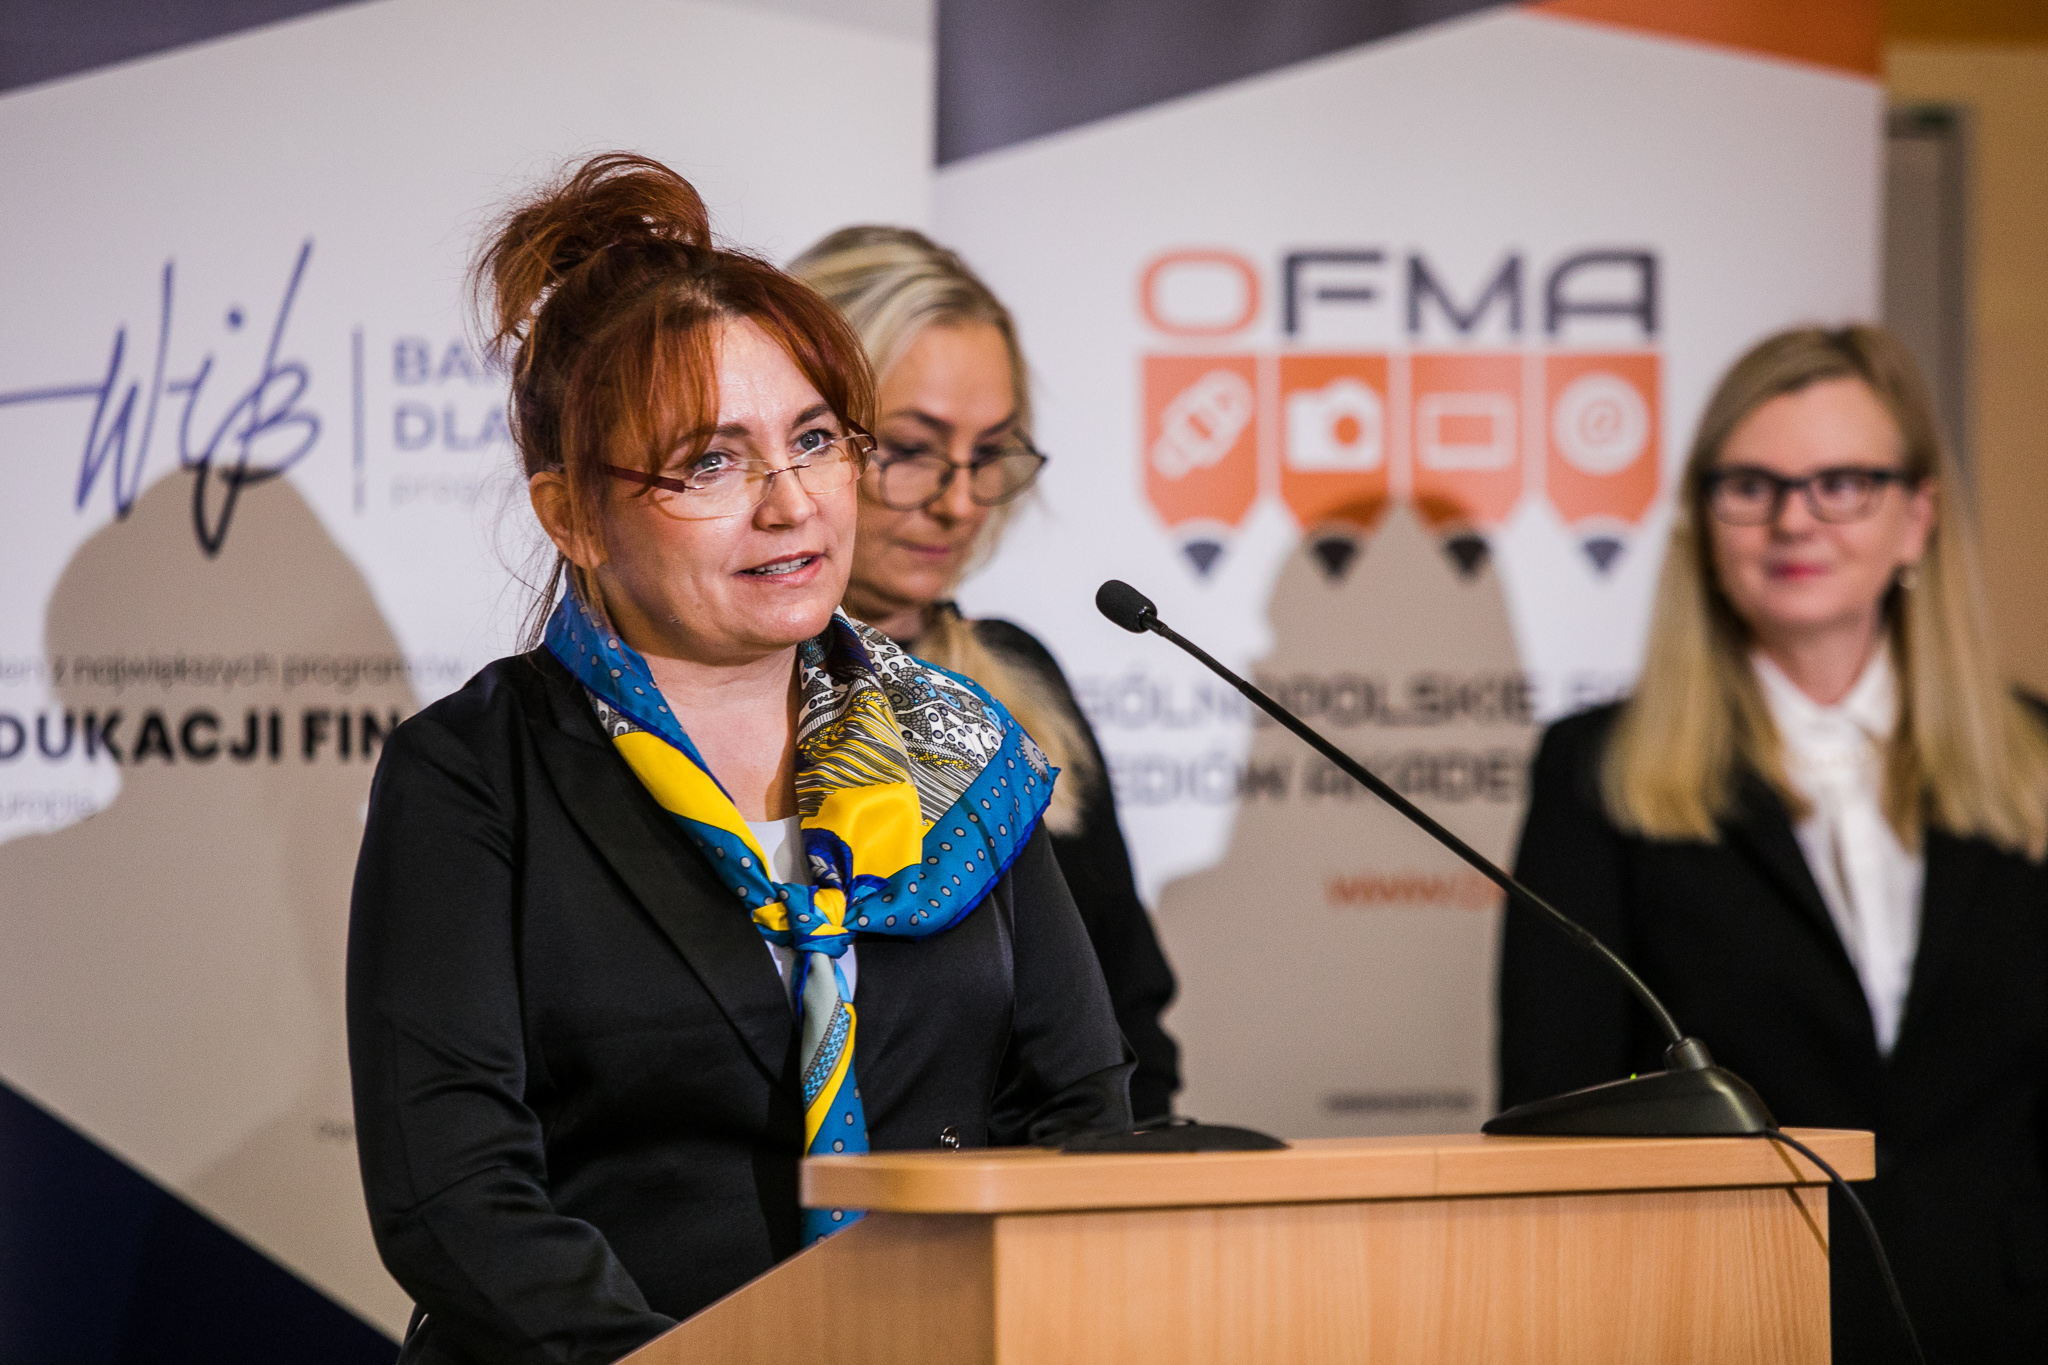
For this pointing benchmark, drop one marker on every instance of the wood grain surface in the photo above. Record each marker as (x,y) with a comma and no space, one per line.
(892,1288)
(1392,1251)
(1014,1180)
(1676,1277)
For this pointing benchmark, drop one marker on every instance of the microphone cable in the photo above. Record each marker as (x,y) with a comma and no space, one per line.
(1884,1265)
(1127,607)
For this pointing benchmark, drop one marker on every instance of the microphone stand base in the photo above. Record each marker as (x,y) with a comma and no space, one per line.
(1699,1102)
(1176,1135)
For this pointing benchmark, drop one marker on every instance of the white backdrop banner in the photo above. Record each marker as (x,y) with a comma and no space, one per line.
(1373,368)
(256,491)
(1375,371)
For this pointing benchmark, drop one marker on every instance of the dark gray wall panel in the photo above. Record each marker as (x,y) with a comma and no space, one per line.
(1016,69)
(42,40)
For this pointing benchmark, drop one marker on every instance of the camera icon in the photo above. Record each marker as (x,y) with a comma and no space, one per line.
(1339,428)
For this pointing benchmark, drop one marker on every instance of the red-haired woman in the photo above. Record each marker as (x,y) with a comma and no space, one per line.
(713,878)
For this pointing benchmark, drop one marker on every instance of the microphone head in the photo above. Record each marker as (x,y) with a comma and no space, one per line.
(1126,606)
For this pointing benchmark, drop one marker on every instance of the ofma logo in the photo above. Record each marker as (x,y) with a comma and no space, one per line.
(1461,411)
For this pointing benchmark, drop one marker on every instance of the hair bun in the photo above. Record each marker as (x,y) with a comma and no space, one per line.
(615,199)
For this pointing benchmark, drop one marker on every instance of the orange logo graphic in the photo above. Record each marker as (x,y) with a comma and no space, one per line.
(1466,419)
(1201,446)
(1336,446)
(1349,433)
(1461,435)
(1601,437)
(1203,267)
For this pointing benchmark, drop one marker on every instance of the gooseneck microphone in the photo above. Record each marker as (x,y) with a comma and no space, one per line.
(1693,1098)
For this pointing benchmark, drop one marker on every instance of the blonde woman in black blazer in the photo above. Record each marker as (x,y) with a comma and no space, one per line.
(1824,546)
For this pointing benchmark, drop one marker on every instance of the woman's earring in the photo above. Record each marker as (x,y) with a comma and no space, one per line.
(1908,577)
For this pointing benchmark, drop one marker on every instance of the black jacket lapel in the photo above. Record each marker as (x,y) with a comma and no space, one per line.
(643,845)
(1954,867)
(1763,830)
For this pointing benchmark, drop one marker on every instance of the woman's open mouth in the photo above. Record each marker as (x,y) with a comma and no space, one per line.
(783,568)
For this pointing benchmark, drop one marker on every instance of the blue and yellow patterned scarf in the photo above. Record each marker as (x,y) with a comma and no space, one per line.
(916,791)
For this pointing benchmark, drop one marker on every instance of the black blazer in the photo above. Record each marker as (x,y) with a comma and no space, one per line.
(574,1061)
(1097,866)
(1735,937)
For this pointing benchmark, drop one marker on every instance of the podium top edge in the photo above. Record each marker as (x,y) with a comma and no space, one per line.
(1319,1170)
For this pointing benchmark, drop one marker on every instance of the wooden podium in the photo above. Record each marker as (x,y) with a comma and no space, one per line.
(1430,1249)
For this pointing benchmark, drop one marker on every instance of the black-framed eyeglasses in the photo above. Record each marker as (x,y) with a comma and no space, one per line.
(908,480)
(721,484)
(1744,495)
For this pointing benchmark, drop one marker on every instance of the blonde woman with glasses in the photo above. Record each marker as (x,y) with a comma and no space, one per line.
(1817,830)
(955,454)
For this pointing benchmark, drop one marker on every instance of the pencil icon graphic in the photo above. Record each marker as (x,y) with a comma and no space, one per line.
(1201,448)
(1465,416)
(1336,449)
(1601,436)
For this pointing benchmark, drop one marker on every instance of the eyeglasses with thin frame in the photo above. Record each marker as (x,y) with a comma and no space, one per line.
(719,483)
(907,481)
(1744,495)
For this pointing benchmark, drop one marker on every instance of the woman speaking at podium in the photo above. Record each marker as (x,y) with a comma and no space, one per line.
(1816,830)
(714,877)
(954,454)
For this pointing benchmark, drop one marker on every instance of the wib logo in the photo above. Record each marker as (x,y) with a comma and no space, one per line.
(1463,433)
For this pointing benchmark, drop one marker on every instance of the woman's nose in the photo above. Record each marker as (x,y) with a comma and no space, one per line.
(787,502)
(1794,516)
(956,503)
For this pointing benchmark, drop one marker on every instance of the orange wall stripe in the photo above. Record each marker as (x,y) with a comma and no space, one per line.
(1845,34)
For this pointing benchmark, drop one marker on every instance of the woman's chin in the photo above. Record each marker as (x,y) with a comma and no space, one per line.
(923,577)
(801,623)
(1788,622)
(779,625)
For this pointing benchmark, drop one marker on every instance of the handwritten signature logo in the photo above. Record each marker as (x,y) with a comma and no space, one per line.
(263,433)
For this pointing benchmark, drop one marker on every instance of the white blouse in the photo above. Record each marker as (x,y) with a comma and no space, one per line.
(782,841)
(1834,756)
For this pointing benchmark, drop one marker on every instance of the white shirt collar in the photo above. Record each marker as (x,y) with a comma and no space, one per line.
(1870,882)
(1871,708)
